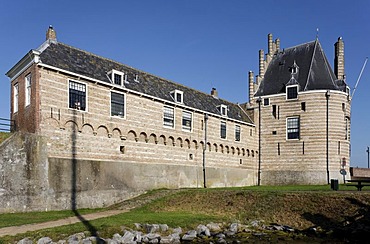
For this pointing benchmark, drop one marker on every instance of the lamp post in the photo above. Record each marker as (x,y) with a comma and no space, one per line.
(204,150)
(368,161)
(259,100)
(327,95)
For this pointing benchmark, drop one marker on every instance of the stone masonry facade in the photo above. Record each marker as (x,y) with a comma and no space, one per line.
(81,154)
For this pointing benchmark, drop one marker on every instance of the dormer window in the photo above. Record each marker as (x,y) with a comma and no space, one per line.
(136,78)
(125,78)
(178,96)
(223,109)
(292,92)
(116,77)
(294,68)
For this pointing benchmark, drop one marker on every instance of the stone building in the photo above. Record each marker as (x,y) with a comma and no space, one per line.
(304,110)
(92,131)
(102,131)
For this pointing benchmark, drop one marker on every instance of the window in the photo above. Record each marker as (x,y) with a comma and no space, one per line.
(223,109)
(177,96)
(292,92)
(77,96)
(347,129)
(117,104)
(117,77)
(136,78)
(28,90)
(303,106)
(223,130)
(15,98)
(237,132)
(186,120)
(292,128)
(168,117)
(266,101)
(274,111)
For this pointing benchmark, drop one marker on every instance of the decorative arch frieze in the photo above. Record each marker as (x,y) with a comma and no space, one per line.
(179,142)
(187,143)
(132,136)
(143,137)
(153,138)
(162,140)
(171,141)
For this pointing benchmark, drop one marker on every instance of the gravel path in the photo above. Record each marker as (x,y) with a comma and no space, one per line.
(118,208)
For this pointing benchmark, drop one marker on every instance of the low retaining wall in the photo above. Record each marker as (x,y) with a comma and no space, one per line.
(30,180)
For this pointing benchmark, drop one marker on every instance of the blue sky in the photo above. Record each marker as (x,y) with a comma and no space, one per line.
(198,43)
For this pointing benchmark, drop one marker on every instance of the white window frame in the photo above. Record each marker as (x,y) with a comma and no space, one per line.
(28,83)
(124,105)
(166,124)
(15,97)
(114,72)
(286,91)
(238,131)
(223,109)
(221,124)
(136,79)
(184,127)
(86,95)
(175,94)
(289,129)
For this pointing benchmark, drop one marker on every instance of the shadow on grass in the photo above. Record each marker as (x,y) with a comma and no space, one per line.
(354,227)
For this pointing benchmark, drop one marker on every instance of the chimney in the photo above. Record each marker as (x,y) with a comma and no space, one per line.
(214,93)
(277,42)
(339,59)
(51,34)
(261,64)
(251,85)
(270,45)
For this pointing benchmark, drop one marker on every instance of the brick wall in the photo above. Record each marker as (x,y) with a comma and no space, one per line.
(27,117)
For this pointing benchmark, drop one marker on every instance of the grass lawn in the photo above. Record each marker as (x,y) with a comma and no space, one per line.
(4,135)
(296,206)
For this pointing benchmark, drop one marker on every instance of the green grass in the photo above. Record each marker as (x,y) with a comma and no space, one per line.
(191,207)
(16,219)
(4,135)
(106,227)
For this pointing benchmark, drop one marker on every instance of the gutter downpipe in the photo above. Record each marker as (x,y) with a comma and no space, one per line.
(259,141)
(204,150)
(327,95)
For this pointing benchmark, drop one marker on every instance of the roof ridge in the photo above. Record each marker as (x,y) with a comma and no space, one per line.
(299,45)
(310,69)
(143,72)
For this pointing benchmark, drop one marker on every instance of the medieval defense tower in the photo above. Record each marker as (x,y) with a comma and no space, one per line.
(302,112)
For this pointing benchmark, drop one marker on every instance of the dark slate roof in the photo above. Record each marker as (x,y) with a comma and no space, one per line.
(314,71)
(84,63)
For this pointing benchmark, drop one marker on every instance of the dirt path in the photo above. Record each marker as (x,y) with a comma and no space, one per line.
(113,210)
(13,230)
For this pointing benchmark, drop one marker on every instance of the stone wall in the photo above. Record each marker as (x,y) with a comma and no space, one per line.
(90,159)
(140,136)
(303,161)
(30,181)
(23,173)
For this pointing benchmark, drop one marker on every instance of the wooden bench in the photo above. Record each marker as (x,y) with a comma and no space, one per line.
(360,177)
